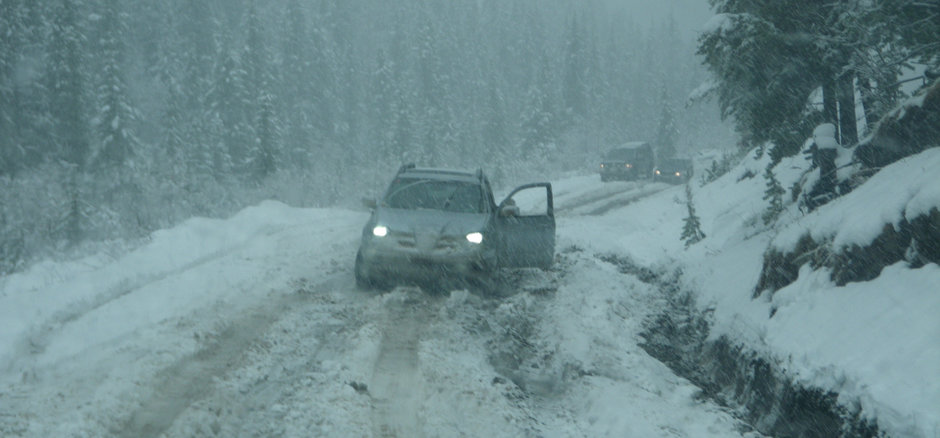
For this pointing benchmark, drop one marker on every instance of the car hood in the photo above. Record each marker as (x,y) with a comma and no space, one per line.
(441,222)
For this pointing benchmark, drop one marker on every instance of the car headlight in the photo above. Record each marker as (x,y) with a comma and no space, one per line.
(628,165)
(476,237)
(678,173)
(657,172)
(380,231)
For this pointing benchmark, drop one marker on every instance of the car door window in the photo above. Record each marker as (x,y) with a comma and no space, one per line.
(531,202)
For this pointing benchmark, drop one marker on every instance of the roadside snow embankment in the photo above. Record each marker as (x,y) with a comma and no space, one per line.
(872,342)
(35,303)
(869,342)
(901,192)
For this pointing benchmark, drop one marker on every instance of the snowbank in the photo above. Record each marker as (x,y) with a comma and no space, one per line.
(901,191)
(873,342)
(50,295)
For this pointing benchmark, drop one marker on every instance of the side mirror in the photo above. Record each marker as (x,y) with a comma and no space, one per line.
(370,203)
(509,210)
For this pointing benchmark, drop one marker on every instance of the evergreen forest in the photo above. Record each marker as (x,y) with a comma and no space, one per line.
(120,117)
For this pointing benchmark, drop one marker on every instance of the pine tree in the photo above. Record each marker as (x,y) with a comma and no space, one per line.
(11,34)
(230,103)
(183,65)
(65,76)
(575,87)
(667,133)
(765,75)
(323,77)
(297,88)
(435,119)
(259,82)
(692,228)
(774,194)
(770,55)
(403,131)
(263,162)
(117,115)
(539,117)
(8,55)
(495,135)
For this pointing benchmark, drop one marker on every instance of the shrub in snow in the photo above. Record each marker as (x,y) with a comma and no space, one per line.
(718,168)
(692,230)
(773,194)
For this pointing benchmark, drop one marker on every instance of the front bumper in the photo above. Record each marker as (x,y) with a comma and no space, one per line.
(671,179)
(618,173)
(386,259)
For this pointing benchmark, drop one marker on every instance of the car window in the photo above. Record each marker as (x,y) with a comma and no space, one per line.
(530,201)
(676,164)
(428,194)
(620,154)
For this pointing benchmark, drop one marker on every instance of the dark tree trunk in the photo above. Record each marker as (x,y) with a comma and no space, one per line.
(869,102)
(830,109)
(848,128)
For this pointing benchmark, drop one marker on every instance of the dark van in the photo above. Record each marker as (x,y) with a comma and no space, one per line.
(673,171)
(628,162)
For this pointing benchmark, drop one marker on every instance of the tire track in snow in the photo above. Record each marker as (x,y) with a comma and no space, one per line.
(396,386)
(603,200)
(35,341)
(622,201)
(191,379)
(565,203)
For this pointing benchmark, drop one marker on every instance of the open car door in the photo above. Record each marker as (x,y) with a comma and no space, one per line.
(526,221)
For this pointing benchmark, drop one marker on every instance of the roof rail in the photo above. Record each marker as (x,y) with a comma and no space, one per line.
(405,167)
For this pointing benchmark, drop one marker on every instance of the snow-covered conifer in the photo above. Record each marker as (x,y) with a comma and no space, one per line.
(774,195)
(116,114)
(692,228)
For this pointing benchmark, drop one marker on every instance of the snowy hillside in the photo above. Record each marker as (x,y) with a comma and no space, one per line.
(874,343)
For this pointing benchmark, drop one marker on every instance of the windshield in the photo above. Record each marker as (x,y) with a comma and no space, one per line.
(430,194)
(677,164)
(620,154)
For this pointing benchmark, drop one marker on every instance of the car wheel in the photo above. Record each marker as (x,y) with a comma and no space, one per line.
(604,178)
(363,281)
(487,282)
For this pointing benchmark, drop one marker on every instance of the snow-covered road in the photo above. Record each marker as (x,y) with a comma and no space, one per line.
(251,326)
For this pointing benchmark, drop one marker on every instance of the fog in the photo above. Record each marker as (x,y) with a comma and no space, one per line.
(157,112)
(689,15)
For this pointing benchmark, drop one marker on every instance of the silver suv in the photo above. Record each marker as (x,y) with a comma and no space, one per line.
(440,224)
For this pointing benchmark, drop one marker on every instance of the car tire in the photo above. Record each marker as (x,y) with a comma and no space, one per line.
(486,281)
(604,178)
(363,280)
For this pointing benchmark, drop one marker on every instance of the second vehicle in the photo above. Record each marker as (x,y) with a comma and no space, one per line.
(673,170)
(628,162)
